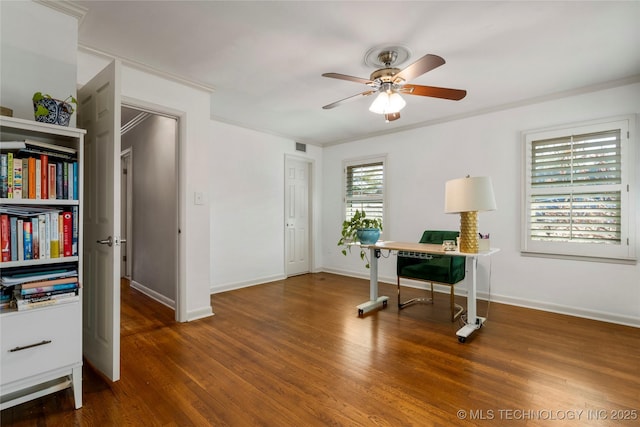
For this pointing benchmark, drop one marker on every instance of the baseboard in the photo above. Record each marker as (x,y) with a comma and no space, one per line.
(153,294)
(200,313)
(190,316)
(502,299)
(245,284)
(568,310)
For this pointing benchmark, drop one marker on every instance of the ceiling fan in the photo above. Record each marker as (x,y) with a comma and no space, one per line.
(389,82)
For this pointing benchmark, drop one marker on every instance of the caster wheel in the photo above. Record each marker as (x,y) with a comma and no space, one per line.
(360,313)
(462,339)
(384,304)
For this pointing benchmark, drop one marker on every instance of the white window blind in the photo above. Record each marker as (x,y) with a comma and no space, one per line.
(364,187)
(577,191)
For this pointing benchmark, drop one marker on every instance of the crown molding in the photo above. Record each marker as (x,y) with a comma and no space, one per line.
(146,68)
(66,7)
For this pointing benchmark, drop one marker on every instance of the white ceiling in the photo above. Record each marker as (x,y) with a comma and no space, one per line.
(264,59)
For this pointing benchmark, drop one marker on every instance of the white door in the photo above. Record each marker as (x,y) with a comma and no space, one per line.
(99,114)
(297,216)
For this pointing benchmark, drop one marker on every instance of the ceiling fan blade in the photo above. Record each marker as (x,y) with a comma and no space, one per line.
(435,92)
(349,78)
(421,66)
(351,98)
(391,117)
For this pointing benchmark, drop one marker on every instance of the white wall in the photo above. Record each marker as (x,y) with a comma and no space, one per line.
(155,217)
(420,161)
(247,205)
(192,108)
(37,54)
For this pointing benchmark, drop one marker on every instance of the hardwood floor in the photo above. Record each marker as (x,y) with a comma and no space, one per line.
(295,353)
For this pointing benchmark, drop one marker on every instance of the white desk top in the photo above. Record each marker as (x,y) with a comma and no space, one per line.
(426,248)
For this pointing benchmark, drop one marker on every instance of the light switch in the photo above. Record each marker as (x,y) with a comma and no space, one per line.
(198,198)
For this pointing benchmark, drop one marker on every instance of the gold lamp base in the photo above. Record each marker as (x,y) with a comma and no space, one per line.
(468,232)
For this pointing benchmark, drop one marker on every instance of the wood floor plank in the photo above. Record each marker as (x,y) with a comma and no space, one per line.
(295,353)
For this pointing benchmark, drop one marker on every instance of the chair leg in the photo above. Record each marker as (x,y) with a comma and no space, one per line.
(402,305)
(456,310)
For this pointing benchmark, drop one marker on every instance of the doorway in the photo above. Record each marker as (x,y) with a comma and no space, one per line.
(297,216)
(149,212)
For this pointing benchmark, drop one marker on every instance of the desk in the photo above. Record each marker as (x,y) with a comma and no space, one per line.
(474,322)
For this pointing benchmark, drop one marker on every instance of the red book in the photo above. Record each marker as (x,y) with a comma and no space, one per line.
(67,233)
(44,173)
(5,237)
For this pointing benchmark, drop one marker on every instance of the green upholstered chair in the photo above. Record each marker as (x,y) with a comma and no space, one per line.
(442,269)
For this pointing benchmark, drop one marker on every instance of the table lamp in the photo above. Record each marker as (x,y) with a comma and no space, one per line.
(467,196)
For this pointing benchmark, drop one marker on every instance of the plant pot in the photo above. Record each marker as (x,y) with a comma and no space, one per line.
(368,236)
(59,111)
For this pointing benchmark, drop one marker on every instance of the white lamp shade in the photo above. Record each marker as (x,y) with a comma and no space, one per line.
(469,194)
(387,103)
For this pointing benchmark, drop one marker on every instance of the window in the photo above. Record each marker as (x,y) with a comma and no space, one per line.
(577,198)
(364,187)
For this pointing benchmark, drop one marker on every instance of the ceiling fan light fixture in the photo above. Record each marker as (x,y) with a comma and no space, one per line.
(387,103)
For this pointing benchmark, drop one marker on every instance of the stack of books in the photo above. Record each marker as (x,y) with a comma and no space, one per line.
(39,287)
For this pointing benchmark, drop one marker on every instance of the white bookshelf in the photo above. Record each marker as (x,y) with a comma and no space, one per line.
(41,348)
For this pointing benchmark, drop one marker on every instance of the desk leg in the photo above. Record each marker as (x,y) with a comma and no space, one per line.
(473,321)
(375,301)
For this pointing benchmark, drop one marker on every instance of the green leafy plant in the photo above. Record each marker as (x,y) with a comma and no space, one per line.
(350,230)
(41,110)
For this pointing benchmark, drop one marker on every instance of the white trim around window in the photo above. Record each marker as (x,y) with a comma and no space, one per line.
(578,190)
(364,187)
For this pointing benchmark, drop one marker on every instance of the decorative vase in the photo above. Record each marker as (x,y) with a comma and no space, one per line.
(368,236)
(59,111)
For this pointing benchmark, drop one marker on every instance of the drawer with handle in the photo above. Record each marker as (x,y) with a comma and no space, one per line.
(39,340)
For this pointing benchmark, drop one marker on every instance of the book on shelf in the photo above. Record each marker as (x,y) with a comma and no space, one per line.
(25,178)
(5,237)
(67,233)
(17,178)
(32,177)
(35,168)
(39,147)
(10,175)
(39,232)
(4,184)
(41,284)
(39,304)
(28,240)
(43,296)
(52,175)
(13,230)
(39,275)
(48,288)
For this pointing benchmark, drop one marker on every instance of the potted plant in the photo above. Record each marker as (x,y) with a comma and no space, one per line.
(360,229)
(50,110)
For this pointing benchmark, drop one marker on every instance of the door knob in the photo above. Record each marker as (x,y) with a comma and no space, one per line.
(107,241)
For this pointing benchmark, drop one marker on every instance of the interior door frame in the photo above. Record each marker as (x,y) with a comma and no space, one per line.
(127,211)
(137,104)
(310,183)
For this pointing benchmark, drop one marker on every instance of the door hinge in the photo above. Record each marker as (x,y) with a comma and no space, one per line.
(124,258)
(124,171)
